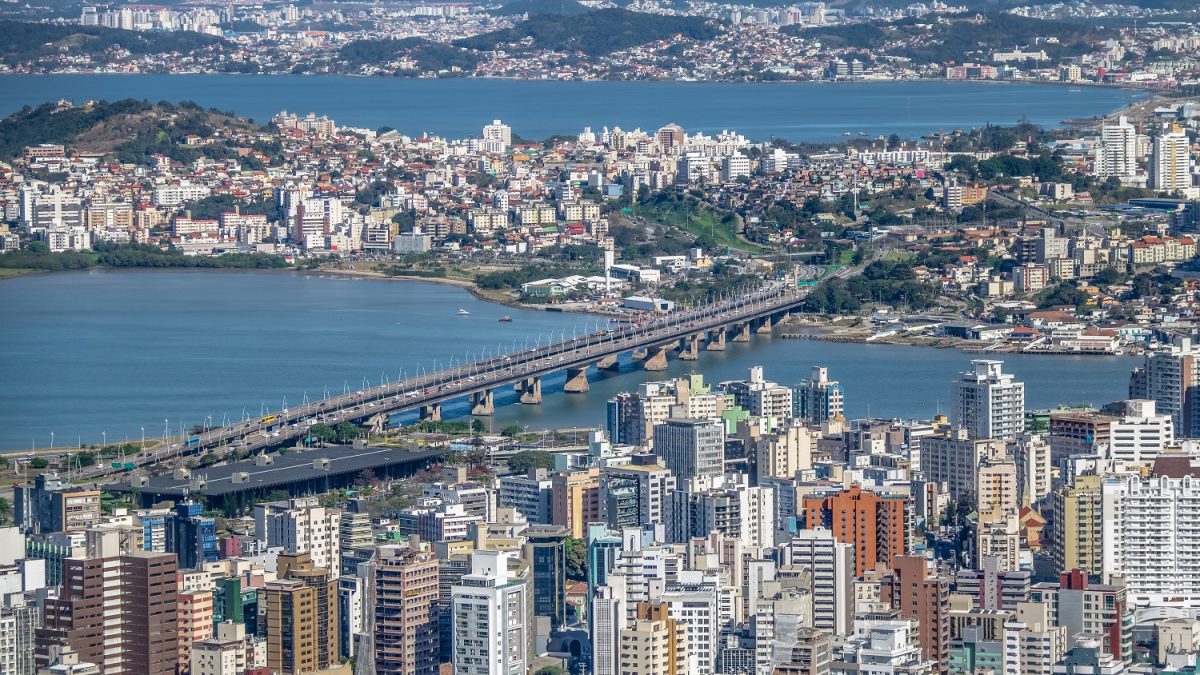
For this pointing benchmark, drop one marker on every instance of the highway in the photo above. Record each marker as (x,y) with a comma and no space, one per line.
(480,376)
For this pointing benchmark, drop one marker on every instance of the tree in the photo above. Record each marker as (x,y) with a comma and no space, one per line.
(84,459)
(477,426)
(5,511)
(347,431)
(511,430)
(576,557)
(551,670)
(322,433)
(525,460)
(38,463)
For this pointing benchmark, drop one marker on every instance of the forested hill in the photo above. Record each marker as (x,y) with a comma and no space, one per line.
(538,7)
(129,130)
(594,34)
(30,41)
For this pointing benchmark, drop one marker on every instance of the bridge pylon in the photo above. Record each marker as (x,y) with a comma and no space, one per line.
(609,363)
(577,382)
(716,340)
(689,348)
(656,358)
(483,403)
(741,332)
(530,390)
(432,412)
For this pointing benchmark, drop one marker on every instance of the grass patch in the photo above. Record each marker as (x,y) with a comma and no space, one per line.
(713,228)
(9,272)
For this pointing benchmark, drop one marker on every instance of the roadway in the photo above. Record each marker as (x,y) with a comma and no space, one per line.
(479,376)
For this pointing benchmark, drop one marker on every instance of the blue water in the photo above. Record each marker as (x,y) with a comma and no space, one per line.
(112,351)
(458,108)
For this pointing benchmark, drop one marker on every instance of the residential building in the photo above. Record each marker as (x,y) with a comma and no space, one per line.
(691,448)
(637,493)
(302,526)
(653,643)
(545,551)
(875,524)
(817,399)
(490,618)
(988,402)
(1117,154)
(302,625)
(1171,160)
(922,594)
(404,584)
(52,504)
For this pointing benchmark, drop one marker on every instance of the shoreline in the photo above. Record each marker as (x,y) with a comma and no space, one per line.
(984,349)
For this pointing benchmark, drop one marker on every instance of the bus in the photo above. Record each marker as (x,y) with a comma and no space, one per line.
(269,419)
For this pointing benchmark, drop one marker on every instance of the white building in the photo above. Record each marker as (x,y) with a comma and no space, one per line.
(1170,161)
(490,618)
(690,447)
(1032,642)
(1141,434)
(831,565)
(1150,529)
(761,397)
(530,495)
(887,648)
(988,402)
(229,652)
(1117,154)
(300,526)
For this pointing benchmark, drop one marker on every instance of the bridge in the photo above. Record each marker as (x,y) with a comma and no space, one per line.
(682,333)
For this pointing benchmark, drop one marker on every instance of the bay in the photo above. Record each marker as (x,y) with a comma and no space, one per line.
(112,351)
(458,108)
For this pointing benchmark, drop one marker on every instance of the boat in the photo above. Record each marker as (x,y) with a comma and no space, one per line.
(506,319)
(845,133)
(463,312)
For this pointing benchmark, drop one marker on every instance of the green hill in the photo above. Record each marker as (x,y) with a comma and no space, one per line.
(20,42)
(595,33)
(538,7)
(430,56)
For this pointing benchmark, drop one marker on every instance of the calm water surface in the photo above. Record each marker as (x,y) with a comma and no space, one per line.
(112,351)
(458,108)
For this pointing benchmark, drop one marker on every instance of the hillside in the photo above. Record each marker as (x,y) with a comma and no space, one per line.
(958,39)
(20,42)
(594,34)
(129,130)
(429,56)
(537,7)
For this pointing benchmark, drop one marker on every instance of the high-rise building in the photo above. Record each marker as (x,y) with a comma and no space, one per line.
(728,505)
(18,629)
(490,618)
(875,524)
(195,622)
(1032,642)
(52,504)
(691,447)
(1079,526)
(191,535)
(671,139)
(497,136)
(886,647)
(761,397)
(1148,526)
(529,494)
(1117,154)
(302,617)
(118,612)
(1171,160)
(302,526)
(404,588)
(954,458)
(1169,378)
(606,621)
(1087,609)
(988,402)
(653,643)
(817,399)
(545,550)
(924,595)
(575,500)
(637,493)
(831,570)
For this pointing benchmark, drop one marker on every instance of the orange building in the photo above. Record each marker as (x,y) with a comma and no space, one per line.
(876,525)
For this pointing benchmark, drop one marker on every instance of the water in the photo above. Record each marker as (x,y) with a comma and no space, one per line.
(458,108)
(113,351)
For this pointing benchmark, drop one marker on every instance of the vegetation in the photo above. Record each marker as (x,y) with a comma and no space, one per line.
(886,281)
(536,7)
(595,33)
(959,38)
(576,558)
(22,42)
(714,229)
(514,279)
(521,462)
(38,257)
(130,130)
(428,55)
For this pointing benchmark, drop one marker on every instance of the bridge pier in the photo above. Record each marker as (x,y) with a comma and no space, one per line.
(432,412)
(716,340)
(656,358)
(641,354)
(609,363)
(531,391)
(483,403)
(689,348)
(577,382)
(764,325)
(741,332)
